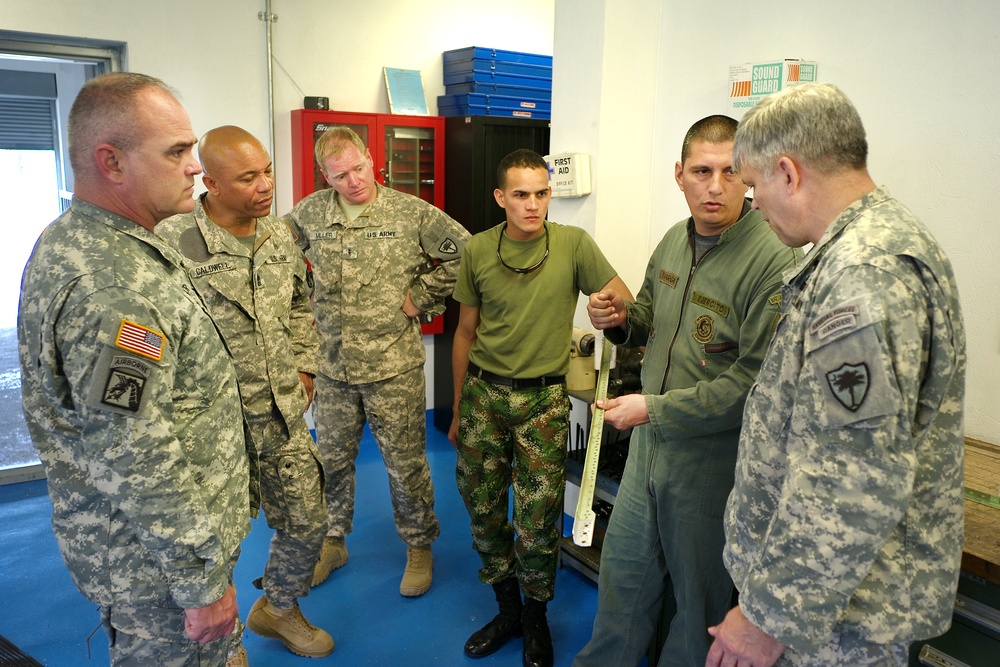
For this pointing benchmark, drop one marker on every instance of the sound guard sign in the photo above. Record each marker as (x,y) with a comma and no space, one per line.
(749,83)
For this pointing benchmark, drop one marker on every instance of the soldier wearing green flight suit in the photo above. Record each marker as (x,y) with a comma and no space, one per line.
(246,267)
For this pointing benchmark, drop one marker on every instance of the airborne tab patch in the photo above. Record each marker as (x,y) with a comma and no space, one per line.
(136,338)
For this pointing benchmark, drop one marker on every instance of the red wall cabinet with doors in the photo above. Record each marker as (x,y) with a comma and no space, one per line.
(408,153)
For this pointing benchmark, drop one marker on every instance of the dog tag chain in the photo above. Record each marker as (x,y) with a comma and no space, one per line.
(585,517)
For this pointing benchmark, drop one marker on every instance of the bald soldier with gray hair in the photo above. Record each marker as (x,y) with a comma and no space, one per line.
(246,267)
(844,528)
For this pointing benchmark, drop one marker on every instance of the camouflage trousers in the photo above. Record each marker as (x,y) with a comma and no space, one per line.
(395,409)
(291,486)
(514,438)
(849,648)
(153,636)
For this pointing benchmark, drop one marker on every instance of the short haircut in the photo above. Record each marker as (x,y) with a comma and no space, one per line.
(522,158)
(104,113)
(813,123)
(713,129)
(334,141)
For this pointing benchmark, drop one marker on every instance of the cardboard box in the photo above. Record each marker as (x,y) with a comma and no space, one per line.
(749,83)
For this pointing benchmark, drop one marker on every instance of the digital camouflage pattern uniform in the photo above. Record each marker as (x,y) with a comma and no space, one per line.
(132,403)
(845,523)
(516,437)
(371,354)
(705,326)
(259,299)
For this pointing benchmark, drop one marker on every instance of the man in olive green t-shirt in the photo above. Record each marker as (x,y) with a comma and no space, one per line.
(518,287)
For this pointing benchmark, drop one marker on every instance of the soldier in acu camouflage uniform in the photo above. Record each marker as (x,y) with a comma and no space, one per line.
(381,260)
(129,394)
(246,267)
(518,286)
(844,529)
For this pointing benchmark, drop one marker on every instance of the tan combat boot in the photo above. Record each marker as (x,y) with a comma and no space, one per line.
(419,569)
(237,658)
(291,628)
(332,556)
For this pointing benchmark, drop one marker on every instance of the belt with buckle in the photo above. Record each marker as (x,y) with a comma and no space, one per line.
(515,383)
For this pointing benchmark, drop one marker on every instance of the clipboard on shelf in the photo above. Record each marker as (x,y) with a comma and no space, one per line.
(406,91)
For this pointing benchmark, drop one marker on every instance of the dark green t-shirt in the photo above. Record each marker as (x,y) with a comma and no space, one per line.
(526,320)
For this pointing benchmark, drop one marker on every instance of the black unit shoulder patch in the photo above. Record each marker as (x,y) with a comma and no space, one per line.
(850,384)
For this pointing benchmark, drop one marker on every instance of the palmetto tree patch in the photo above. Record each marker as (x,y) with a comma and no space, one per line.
(850,384)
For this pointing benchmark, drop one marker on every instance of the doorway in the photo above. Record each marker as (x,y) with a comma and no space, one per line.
(40,76)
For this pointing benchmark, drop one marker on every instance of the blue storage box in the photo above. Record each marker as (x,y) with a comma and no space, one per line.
(471,52)
(498,67)
(487,88)
(492,76)
(511,103)
(478,110)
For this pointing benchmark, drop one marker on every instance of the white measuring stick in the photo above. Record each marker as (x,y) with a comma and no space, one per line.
(585,518)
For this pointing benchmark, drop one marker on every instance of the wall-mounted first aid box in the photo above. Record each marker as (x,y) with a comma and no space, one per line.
(569,174)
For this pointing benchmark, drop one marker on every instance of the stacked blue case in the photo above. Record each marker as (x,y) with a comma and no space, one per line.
(480,81)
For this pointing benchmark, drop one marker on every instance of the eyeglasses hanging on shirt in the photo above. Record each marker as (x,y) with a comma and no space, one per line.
(528,269)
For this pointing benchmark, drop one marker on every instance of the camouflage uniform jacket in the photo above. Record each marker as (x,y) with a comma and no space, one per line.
(847,513)
(259,300)
(363,269)
(133,405)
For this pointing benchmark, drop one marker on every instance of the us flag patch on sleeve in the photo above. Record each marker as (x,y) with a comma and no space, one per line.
(137,338)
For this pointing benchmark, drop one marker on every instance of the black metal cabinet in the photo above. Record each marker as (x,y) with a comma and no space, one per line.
(474,146)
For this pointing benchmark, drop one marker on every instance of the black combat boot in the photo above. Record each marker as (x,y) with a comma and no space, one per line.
(505,626)
(537,640)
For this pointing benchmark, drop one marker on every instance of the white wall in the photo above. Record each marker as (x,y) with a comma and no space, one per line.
(922,76)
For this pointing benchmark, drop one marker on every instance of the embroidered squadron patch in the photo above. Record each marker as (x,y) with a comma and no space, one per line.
(125,384)
(850,384)
(448,247)
(704,329)
(137,338)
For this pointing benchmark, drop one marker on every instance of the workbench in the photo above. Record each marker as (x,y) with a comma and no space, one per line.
(981,555)
(974,637)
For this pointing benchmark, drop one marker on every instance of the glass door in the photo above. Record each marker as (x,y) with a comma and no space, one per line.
(409,160)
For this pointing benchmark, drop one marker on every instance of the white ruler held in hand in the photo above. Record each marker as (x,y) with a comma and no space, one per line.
(585,518)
